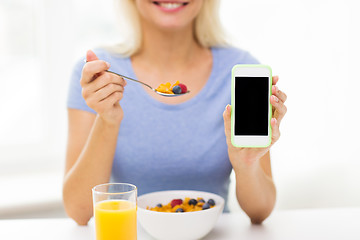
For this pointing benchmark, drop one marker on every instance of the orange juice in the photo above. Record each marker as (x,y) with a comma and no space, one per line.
(115,220)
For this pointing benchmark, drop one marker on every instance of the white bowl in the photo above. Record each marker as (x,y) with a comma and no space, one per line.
(178,226)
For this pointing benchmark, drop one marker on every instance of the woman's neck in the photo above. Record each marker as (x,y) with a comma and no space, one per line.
(169,50)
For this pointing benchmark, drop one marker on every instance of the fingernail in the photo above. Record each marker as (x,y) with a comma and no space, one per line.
(107,64)
(274,88)
(228,108)
(276,99)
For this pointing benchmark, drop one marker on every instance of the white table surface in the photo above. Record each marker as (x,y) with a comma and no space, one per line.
(292,224)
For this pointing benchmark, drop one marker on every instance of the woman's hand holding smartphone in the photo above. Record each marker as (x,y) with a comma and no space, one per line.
(252,122)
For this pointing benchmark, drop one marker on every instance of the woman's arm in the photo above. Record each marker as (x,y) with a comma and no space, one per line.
(92,138)
(255,190)
(90,154)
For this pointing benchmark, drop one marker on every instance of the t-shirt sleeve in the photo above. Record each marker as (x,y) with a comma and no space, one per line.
(250,59)
(75,99)
(239,56)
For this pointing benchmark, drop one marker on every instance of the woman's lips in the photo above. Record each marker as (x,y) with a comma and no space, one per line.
(168,6)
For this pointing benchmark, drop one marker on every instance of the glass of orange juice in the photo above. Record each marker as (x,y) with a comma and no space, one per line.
(115,211)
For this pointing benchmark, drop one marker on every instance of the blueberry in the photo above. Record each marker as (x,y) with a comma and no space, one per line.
(176,89)
(202,200)
(205,206)
(159,205)
(180,210)
(211,202)
(192,202)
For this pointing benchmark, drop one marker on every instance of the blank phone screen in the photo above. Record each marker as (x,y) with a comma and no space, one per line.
(251,105)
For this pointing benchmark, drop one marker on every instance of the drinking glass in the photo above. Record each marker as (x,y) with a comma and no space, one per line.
(115,206)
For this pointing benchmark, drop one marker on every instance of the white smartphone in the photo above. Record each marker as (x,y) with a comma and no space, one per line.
(251,108)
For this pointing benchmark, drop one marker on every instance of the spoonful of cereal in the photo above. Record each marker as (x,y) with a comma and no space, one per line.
(166,90)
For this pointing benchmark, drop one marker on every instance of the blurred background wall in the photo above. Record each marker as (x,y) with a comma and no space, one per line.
(313,45)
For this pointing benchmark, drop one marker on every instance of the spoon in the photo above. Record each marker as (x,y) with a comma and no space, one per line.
(160,93)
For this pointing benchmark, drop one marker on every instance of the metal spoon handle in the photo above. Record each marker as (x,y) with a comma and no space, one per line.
(130,79)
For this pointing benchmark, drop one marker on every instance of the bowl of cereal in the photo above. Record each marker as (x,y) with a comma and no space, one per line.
(179,214)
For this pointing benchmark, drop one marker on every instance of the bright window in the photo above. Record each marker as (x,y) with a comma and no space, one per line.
(39,43)
(312,45)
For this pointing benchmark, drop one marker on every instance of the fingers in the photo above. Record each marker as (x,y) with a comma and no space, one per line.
(103,86)
(112,99)
(90,56)
(277,100)
(275,79)
(105,98)
(279,94)
(227,123)
(102,90)
(275,123)
(103,80)
(91,69)
(103,107)
(275,130)
(106,91)
(280,108)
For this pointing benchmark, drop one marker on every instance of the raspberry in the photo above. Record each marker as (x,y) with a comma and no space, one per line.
(176,202)
(183,88)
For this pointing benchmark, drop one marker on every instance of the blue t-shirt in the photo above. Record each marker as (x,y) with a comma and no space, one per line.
(171,147)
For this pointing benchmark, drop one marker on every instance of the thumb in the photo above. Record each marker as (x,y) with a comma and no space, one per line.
(90,56)
(227,123)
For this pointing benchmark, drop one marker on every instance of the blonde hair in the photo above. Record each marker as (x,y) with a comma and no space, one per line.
(208,29)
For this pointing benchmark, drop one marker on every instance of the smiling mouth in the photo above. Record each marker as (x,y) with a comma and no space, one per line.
(170,5)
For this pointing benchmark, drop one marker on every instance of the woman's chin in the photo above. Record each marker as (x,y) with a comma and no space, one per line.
(172,26)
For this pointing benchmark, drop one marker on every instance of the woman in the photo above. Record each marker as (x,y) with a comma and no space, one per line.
(123,132)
